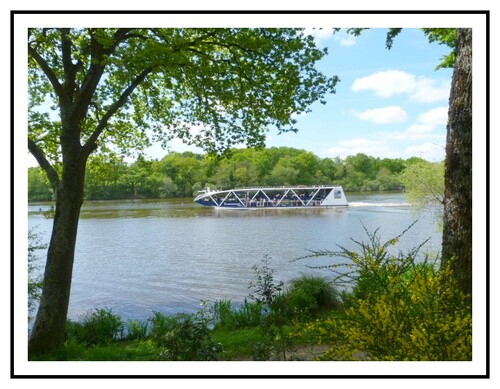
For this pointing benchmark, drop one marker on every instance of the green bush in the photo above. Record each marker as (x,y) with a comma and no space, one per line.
(308,295)
(265,289)
(160,324)
(368,269)
(275,314)
(223,313)
(100,326)
(137,329)
(185,337)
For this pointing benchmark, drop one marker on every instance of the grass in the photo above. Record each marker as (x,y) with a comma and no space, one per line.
(238,344)
(136,350)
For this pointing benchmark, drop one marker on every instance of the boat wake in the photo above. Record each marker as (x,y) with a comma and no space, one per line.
(364,204)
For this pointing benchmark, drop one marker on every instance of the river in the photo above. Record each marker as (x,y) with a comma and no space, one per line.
(140,256)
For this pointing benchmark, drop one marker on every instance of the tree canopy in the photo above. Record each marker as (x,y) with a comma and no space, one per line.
(210,87)
(424,183)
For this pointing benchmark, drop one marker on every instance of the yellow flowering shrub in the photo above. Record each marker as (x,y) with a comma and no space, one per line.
(421,316)
(398,310)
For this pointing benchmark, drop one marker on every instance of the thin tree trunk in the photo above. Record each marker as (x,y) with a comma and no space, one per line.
(48,329)
(457,229)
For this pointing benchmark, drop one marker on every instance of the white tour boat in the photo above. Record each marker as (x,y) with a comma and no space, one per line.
(301,196)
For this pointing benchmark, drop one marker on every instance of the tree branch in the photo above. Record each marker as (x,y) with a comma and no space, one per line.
(70,69)
(91,143)
(94,74)
(48,72)
(44,164)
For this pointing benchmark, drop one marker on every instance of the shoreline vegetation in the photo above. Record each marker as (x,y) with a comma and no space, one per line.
(181,175)
(395,308)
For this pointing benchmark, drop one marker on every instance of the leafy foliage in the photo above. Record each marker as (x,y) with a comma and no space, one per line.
(265,290)
(39,188)
(400,309)
(424,183)
(100,326)
(444,36)
(185,337)
(276,340)
(420,317)
(137,329)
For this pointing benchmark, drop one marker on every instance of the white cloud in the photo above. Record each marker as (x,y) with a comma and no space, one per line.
(434,117)
(385,147)
(322,34)
(429,151)
(396,82)
(386,84)
(319,34)
(426,91)
(345,39)
(391,114)
(425,126)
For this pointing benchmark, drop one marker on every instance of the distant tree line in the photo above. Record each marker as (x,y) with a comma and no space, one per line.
(184,174)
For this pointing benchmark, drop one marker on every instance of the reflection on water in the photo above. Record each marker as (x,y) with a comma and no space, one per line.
(168,255)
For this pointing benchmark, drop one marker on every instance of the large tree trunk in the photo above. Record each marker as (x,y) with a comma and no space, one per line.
(457,232)
(48,329)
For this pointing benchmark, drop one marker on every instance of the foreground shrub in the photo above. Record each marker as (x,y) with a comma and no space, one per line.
(137,329)
(100,326)
(160,324)
(421,319)
(308,295)
(185,337)
(265,289)
(269,293)
(400,310)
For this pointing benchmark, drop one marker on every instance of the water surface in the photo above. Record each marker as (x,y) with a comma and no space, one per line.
(137,257)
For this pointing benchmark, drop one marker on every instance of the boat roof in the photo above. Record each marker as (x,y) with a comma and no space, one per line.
(279,187)
(264,188)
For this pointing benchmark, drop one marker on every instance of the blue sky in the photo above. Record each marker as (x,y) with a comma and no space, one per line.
(388,104)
